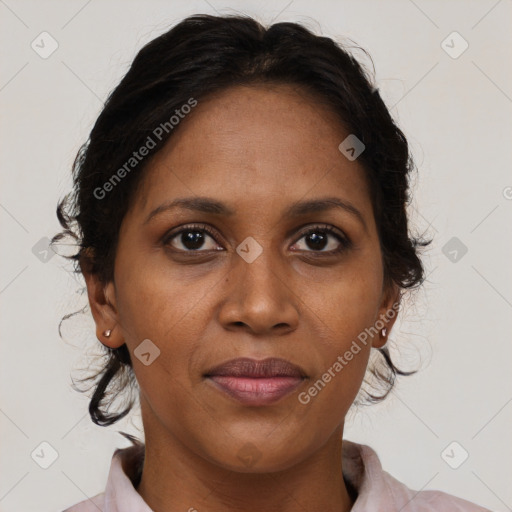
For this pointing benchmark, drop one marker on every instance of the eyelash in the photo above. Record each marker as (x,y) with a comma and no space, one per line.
(345,242)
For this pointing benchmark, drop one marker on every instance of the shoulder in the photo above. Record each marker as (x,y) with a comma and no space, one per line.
(409,500)
(119,492)
(94,504)
(378,490)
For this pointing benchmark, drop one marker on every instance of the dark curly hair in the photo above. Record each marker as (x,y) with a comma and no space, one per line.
(204,54)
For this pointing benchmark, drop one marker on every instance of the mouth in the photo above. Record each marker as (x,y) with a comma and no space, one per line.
(256,383)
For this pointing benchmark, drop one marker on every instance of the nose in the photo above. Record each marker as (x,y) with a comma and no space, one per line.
(260,297)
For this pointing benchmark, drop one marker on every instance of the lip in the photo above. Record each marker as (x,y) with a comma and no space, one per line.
(256,382)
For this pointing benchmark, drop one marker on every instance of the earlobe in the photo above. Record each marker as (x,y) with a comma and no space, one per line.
(108,338)
(387,315)
(102,303)
(380,339)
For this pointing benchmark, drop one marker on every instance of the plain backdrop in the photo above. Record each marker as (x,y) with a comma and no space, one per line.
(455,108)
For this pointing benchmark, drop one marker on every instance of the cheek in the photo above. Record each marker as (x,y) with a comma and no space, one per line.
(343,360)
(168,311)
(158,298)
(345,310)
(347,303)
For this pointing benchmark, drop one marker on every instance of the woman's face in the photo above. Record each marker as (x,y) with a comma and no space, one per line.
(256,286)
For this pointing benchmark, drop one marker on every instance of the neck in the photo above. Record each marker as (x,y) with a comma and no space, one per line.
(176,479)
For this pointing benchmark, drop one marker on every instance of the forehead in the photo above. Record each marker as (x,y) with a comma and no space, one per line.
(255,145)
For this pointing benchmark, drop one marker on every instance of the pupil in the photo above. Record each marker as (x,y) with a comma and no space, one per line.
(192,239)
(319,241)
(195,239)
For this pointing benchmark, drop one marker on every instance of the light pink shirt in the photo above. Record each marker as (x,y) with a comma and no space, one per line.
(377,490)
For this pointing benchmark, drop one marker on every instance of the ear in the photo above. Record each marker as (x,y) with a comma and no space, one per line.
(102,301)
(387,315)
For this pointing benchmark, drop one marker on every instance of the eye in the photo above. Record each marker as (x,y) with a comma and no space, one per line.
(191,238)
(317,239)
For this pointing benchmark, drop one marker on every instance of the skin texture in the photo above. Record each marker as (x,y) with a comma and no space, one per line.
(258,149)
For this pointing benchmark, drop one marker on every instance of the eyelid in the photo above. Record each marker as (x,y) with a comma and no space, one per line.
(331,230)
(343,239)
(169,235)
(322,227)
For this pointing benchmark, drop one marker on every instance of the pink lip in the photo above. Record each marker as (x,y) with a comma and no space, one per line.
(256,391)
(254,382)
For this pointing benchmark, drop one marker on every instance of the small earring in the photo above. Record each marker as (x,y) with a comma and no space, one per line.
(384,332)
(107,333)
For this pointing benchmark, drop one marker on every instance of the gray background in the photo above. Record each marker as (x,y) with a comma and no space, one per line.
(456,114)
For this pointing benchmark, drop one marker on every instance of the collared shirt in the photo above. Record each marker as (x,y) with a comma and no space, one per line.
(377,490)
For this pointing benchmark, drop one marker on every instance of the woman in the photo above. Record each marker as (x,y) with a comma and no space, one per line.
(241,213)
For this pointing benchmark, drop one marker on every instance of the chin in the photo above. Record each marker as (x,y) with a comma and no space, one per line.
(248,457)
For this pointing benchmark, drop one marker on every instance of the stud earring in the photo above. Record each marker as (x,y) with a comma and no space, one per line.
(107,333)
(384,332)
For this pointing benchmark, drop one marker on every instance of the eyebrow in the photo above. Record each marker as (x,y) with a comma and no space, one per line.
(212,206)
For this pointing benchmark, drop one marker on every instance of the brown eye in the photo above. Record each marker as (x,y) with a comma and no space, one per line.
(324,239)
(191,239)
